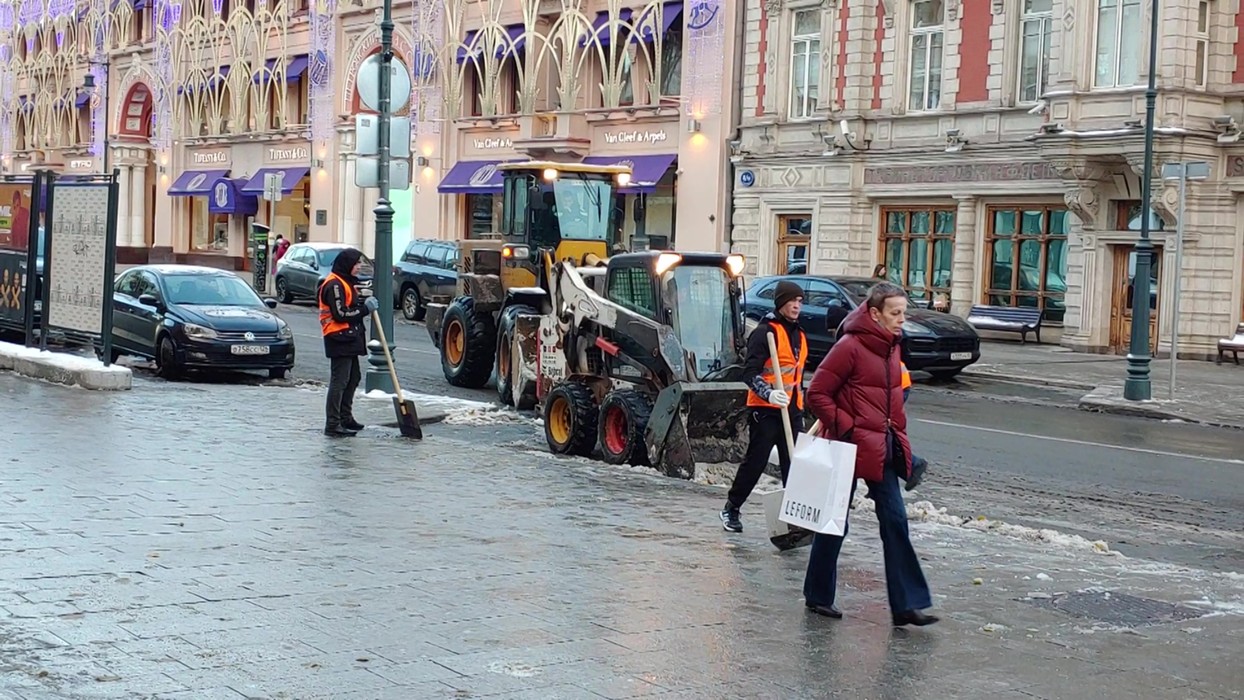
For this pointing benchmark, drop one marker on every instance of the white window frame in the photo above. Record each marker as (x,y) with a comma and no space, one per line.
(1045,19)
(928,32)
(1135,43)
(1201,42)
(804,108)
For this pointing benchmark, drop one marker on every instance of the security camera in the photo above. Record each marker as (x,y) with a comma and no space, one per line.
(844,128)
(1224,121)
(952,134)
(735,145)
(830,140)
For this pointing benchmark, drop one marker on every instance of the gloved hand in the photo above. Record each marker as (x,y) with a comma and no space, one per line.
(779,397)
(372,304)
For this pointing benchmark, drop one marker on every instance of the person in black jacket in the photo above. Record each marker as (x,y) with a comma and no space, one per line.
(765,401)
(342,310)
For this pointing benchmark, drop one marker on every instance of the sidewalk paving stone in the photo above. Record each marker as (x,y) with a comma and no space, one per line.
(1205,392)
(205,541)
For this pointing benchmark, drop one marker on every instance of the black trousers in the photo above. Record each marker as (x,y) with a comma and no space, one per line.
(342,384)
(765,432)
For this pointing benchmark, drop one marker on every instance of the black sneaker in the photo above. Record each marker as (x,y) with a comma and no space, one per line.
(339,432)
(730,519)
(353,425)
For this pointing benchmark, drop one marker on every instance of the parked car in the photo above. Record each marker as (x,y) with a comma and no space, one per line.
(305,265)
(188,317)
(428,268)
(938,343)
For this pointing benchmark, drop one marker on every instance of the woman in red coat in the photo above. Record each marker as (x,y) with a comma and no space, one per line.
(857,394)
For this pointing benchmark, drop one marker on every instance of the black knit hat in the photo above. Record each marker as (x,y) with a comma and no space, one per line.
(786,291)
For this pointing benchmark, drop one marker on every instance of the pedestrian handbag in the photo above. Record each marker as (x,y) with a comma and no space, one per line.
(818,490)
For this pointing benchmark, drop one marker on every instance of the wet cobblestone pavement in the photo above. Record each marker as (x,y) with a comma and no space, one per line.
(205,541)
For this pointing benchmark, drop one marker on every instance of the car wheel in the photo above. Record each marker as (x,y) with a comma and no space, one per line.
(412,304)
(282,291)
(166,359)
(945,374)
(277,373)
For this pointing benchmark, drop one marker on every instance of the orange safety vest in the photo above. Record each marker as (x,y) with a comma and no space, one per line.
(792,369)
(906,376)
(329,325)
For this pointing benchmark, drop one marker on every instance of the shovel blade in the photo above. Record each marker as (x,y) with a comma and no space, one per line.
(407,418)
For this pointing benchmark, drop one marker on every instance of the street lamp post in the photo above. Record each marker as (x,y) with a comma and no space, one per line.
(1138,386)
(378,377)
(88,83)
(1183,172)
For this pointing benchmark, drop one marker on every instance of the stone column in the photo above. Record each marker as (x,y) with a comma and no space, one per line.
(351,198)
(125,237)
(963,271)
(138,206)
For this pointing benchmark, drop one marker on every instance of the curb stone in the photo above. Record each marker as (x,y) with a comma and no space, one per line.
(63,368)
(1110,400)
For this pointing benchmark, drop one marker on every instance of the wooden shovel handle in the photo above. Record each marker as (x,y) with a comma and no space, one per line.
(777,379)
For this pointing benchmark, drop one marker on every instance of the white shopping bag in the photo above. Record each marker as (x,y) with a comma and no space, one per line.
(818,489)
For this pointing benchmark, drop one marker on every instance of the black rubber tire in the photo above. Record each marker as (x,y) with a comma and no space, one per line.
(505,346)
(633,408)
(412,304)
(277,373)
(282,291)
(581,438)
(944,374)
(166,359)
(479,349)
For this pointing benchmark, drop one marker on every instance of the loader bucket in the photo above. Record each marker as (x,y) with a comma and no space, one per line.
(694,423)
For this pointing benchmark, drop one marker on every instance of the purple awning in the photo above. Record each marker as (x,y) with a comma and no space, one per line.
(646,171)
(512,42)
(83,99)
(294,68)
(290,177)
(226,197)
(472,177)
(195,183)
(212,80)
(670,12)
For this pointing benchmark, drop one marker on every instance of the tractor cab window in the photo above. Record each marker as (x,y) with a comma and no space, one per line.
(701,314)
(571,207)
(632,288)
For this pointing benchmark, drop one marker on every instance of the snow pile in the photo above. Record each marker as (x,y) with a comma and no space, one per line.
(926,512)
(722,474)
(484,416)
(73,363)
(432,401)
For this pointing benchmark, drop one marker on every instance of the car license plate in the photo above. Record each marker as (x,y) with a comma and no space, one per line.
(249,349)
(958,356)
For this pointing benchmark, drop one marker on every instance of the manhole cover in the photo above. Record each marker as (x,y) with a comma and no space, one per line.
(1118,609)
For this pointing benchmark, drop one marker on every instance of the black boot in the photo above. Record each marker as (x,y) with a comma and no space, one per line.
(352,424)
(826,610)
(338,431)
(914,617)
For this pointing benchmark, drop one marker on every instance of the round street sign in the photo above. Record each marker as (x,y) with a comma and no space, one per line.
(368,84)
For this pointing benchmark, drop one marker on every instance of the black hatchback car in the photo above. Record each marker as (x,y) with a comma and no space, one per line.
(187,317)
(938,343)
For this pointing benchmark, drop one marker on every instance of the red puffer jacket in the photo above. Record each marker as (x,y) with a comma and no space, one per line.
(858,390)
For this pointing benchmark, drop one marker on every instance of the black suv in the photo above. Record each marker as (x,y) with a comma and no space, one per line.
(428,268)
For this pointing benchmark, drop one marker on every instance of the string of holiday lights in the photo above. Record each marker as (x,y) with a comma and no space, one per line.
(322,95)
(705,46)
(425,107)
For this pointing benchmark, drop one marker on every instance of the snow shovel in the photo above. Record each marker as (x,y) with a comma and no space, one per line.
(782,535)
(407,417)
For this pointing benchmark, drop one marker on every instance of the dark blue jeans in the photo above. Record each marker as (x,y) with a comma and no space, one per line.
(904,580)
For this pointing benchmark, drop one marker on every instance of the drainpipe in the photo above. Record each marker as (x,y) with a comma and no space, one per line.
(736,113)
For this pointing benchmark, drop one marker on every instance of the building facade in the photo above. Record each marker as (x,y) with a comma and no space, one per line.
(991,152)
(220,113)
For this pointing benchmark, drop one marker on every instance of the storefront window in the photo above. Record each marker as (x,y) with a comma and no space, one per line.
(293,215)
(1027,250)
(209,233)
(919,250)
(481,215)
